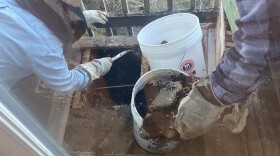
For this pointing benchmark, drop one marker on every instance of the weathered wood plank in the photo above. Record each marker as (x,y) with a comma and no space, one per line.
(125,11)
(192,4)
(58,115)
(268,117)
(205,47)
(220,35)
(147,6)
(169,5)
(217,3)
(251,134)
(220,142)
(109,31)
(211,50)
(132,20)
(106,42)
(144,65)
(83,153)
(103,131)
(76,102)
(274,69)
(124,6)
(231,13)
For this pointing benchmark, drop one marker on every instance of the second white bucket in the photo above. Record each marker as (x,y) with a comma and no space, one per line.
(183,50)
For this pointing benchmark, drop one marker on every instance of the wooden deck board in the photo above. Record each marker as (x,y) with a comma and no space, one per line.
(106,42)
(261,136)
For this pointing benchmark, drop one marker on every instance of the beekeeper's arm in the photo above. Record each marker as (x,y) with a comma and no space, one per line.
(241,71)
(52,68)
(91,16)
(97,67)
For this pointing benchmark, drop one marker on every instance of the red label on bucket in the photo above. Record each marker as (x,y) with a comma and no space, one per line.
(187,66)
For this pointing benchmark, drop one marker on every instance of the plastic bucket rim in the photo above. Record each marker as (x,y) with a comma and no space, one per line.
(144,143)
(154,51)
(189,43)
(197,26)
(133,90)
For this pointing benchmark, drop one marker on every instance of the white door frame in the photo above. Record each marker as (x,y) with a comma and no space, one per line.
(21,130)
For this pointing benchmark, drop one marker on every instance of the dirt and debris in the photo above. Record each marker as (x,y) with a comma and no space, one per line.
(103,124)
(158,102)
(100,130)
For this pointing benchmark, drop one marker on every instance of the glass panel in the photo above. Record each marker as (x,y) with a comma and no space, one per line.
(31,118)
(98,119)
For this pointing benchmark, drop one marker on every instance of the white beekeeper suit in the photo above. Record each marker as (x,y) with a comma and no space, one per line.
(37,35)
(97,67)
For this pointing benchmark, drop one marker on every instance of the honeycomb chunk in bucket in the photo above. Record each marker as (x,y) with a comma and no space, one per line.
(162,96)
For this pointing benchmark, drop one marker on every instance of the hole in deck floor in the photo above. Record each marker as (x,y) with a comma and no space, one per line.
(116,86)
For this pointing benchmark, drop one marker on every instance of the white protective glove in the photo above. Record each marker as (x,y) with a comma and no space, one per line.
(196,115)
(97,67)
(95,16)
(74,3)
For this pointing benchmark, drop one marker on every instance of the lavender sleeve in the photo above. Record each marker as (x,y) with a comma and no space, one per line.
(245,65)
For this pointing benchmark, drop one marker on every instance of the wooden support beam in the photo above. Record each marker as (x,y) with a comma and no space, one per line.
(205,47)
(132,20)
(109,31)
(211,50)
(144,65)
(124,6)
(106,42)
(125,11)
(147,6)
(217,4)
(170,5)
(192,4)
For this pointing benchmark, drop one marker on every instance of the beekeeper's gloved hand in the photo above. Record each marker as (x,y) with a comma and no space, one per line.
(95,16)
(91,16)
(97,67)
(196,114)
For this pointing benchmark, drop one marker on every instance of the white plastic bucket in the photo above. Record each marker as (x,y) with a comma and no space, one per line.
(183,50)
(150,145)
